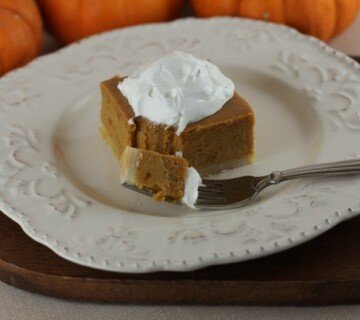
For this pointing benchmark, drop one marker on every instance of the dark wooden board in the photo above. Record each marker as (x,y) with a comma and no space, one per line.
(325,270)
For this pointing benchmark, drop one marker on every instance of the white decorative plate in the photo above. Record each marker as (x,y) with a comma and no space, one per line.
(59,180)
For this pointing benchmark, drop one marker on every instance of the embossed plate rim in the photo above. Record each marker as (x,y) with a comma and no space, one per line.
(217,257)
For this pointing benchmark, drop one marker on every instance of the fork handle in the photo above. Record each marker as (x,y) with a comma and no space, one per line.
(329,169)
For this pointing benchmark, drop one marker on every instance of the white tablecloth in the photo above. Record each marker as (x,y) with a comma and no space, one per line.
(16,304)
(19,305)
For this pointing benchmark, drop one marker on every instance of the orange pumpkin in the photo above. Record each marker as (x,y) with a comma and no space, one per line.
(321,18)
(20,33)
(71,20)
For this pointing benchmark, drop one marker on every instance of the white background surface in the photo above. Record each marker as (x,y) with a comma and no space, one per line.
(17,304)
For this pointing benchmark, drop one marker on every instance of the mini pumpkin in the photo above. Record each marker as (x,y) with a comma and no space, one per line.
(20,33)
(71,20)
(321,18)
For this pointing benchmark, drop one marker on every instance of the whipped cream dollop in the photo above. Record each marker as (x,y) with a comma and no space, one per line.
(177,89)
(191,193)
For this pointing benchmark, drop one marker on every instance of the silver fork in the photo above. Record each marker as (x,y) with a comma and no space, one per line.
(237,192)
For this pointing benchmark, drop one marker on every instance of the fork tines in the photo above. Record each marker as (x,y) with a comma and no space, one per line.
(211,192)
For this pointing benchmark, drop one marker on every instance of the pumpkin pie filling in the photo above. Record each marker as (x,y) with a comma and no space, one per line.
(166,177)
(221,141)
